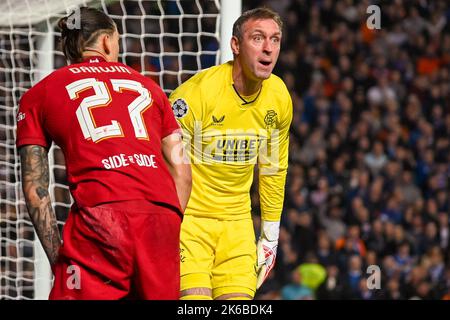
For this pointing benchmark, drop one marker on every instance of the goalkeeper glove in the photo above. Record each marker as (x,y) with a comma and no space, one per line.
(266,249)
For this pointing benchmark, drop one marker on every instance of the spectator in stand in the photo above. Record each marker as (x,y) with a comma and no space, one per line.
(296,290)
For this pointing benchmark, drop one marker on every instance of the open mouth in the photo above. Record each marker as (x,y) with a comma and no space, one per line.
(265,63)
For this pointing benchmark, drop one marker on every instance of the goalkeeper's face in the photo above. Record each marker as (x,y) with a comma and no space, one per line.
(259,47)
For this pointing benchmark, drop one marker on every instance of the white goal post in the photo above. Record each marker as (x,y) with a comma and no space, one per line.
(167,40)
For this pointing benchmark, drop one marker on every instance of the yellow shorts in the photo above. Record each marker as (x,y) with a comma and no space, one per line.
(218,254)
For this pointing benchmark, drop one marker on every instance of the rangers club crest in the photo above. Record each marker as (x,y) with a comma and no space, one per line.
(180,108)
(270,119)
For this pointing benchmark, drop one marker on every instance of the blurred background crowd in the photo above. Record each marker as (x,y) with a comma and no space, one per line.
(368,182)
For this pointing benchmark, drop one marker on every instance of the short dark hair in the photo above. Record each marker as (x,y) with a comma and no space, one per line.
(93,22)
(257,13)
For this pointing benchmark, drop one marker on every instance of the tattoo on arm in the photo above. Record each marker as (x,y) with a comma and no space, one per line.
(35,182)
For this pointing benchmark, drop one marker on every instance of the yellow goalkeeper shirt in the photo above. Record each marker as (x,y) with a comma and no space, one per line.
(226,135)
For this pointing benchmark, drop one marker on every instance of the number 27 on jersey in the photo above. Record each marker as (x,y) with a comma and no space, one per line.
(102,98)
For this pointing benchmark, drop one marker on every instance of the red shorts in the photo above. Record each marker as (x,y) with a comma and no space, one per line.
(114,251)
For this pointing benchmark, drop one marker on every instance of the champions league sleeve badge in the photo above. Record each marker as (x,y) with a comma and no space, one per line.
(180,108)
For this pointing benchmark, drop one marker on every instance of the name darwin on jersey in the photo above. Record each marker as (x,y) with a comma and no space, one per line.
(100,69)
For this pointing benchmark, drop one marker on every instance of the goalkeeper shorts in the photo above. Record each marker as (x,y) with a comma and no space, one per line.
(218,254)
(123,250)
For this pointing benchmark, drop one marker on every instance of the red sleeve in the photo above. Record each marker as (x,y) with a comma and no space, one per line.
(30,124)
(168,124)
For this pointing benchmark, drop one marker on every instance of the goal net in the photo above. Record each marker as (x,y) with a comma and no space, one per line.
(167,40)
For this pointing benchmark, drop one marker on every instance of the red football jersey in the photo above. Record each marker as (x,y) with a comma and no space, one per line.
(109,121)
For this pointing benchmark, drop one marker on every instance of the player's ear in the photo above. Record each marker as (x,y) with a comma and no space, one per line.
(106,43)
(234,45)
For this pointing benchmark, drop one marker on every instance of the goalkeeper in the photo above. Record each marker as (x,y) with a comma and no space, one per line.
(234,116)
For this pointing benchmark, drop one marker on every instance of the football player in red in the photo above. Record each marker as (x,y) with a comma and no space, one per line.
(125,169)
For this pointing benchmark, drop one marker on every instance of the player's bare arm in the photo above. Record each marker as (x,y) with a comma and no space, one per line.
(178,165)
(35,181)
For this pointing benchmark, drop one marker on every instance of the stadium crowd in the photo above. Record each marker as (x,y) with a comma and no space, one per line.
(368,182)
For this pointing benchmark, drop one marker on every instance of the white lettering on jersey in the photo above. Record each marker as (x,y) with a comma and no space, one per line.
(102,98)
(20,116)
(122,160)
(99,69)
